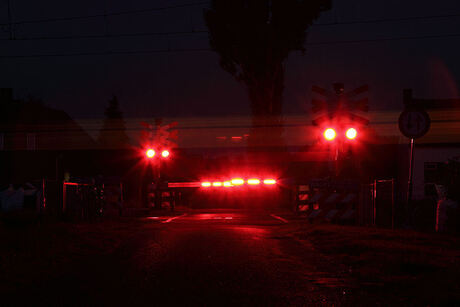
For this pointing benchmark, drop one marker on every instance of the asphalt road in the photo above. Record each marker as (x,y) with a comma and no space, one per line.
(196,258)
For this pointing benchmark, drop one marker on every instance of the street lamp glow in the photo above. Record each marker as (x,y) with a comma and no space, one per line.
(329,134)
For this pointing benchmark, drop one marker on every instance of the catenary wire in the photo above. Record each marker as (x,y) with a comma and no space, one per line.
(168,50)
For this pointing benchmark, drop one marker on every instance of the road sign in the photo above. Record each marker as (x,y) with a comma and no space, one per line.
(414,123)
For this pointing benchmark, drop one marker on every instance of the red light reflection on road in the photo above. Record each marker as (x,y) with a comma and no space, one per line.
(213,216)
(251,232)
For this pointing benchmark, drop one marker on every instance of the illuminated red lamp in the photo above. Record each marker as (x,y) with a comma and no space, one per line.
(351,133)
(206,184)
(227,184)
(217,184)
(269,181)
(150,153)
(253,181)
(165,153)
(329,134)
(237,181)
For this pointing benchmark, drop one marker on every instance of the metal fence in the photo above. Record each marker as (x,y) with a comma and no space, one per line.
(377,204)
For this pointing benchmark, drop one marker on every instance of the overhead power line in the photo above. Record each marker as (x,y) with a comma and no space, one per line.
(100,36)
(384,20)
(99,53)
(138,11)
(67,37)
(359,41)
(103,15)
(156,51)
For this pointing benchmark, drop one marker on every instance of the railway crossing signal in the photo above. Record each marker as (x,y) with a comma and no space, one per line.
(335,114)
(335,111)
(158,139)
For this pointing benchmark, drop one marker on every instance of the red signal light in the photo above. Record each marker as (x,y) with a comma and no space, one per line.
(206,184)
(329,134)
(217,184)
(165,153)
(150,153)
(351,133)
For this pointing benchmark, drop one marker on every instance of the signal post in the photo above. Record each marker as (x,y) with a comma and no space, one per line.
(158,143)
(335,117)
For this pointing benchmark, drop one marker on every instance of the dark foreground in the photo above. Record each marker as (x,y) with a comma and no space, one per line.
(224,258)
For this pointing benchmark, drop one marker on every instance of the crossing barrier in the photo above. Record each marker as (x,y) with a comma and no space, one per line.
(321,205)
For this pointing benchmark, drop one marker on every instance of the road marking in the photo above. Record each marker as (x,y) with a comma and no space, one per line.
(173,218)
(279,218)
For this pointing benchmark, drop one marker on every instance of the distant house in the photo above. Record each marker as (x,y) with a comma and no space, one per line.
(30,125)
(36,139)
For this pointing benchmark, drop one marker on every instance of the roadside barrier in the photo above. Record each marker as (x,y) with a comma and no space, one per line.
(327,205)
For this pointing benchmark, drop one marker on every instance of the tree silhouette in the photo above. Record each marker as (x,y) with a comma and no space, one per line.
(113,131)
(253,39)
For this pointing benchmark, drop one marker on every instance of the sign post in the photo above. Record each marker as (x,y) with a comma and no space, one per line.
(413,123)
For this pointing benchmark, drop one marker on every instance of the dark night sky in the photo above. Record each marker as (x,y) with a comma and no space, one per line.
(193,84)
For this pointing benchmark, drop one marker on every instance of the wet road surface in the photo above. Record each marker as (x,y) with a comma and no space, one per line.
(223,258)
(197,258)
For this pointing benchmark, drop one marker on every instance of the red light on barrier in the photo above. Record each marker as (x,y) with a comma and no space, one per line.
(237,181)
(165,153)
(253,181)
(269,181)
(217,184)
(329,134)
(150,153)
(227,184)
(351,133)
(206,184)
